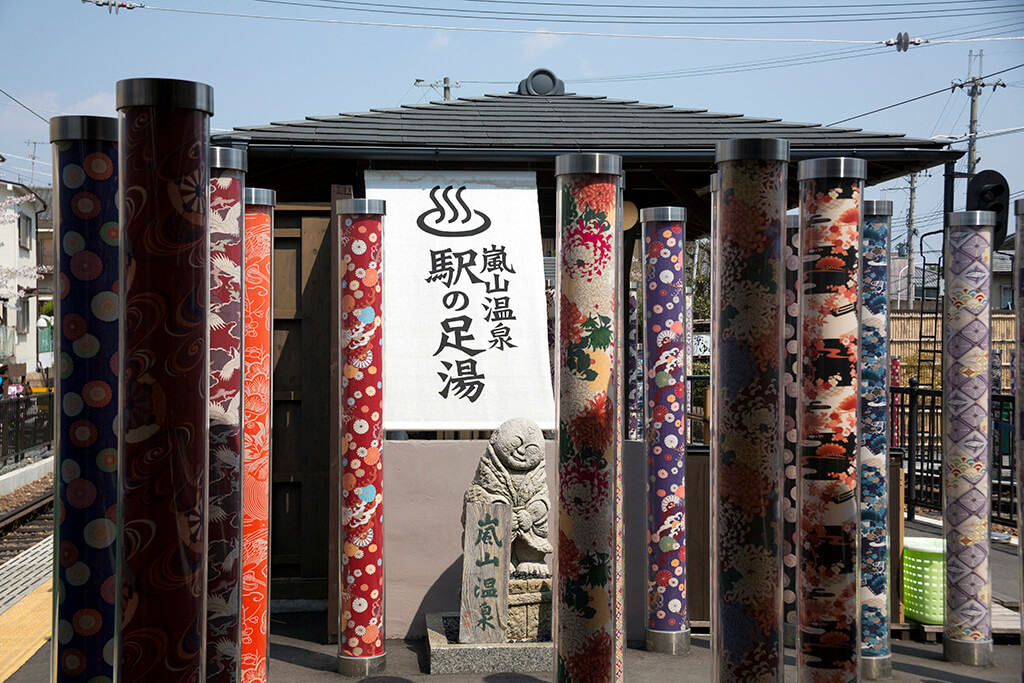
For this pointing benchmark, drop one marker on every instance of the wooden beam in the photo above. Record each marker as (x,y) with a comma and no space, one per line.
(698,208)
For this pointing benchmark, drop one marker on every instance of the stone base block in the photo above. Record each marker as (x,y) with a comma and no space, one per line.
(448,656)
(529,609)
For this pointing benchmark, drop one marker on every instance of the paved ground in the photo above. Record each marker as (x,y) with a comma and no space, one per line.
(298,653)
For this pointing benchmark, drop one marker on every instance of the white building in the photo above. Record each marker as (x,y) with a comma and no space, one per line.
(20,208)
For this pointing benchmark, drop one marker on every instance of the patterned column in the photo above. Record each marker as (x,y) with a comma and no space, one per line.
(165,372)
(634,371)
(689,349)
(1017,356)
(256,470)
(85,435)
(746,436)
(828,577)
(668,626)
(791,389)
(588,619)
(361,612)
(224,571)
(876,659)
(966,437)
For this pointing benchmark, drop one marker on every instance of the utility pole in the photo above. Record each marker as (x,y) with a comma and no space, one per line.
(446,84)
(32,156)
(910,242)
(973,87)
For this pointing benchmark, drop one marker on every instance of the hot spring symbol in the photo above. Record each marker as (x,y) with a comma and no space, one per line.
(453,217)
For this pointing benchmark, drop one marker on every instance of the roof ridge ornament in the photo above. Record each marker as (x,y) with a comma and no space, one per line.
(541,82)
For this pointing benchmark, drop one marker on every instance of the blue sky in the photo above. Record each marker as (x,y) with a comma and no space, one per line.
(63,56)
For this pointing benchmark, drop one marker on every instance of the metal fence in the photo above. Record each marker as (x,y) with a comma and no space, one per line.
(916,435)
(25,423)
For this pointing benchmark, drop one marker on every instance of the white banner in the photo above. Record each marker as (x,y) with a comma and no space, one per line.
(465,318)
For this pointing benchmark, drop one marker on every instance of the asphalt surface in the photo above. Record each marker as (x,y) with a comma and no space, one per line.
(298,652)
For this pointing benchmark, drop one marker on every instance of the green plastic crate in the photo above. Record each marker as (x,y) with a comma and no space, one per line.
(924,579)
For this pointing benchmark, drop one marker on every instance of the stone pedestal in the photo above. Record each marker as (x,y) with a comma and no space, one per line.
(529,609)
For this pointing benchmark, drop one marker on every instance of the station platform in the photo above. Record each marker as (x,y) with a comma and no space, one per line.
(299,650)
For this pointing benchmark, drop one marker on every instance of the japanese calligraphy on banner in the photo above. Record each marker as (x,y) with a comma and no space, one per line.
(465,343)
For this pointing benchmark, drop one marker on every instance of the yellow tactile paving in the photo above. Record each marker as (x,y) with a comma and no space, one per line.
(24,629)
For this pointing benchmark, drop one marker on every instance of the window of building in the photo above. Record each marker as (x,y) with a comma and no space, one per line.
(1006,296)
(24,231)
(21,323)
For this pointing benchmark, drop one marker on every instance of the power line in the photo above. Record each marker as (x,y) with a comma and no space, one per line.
(478,29)
(24,106)
(812,6)
(576,17)
(914,99)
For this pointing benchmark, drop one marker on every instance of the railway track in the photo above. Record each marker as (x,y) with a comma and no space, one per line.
(26,525)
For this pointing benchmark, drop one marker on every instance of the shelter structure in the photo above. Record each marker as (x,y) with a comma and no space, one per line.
(668,155)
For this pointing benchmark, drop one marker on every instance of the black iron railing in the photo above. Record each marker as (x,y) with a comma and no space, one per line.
(25,423)
(917,434)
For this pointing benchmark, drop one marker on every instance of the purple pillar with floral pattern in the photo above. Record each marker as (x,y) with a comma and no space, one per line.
(588,617)
(224,566)
(746,428)
(85,212)
(876,658)
(165,379)
(828,573)
(664,259)
(966,437)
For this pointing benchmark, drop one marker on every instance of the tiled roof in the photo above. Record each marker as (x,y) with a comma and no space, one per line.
(550,124)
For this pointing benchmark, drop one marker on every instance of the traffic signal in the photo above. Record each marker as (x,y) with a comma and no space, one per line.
(988,191)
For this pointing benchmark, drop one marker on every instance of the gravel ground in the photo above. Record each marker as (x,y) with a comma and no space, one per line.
(32,456)
(26,493)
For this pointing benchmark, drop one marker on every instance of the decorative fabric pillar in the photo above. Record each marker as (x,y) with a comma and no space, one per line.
(894,381)
(1017,356)
(791,370)
(634,371)
(165,372)
(966,437)
(668,626)
(85,436)
(876,659)
(361,612)
(224,571)
(689,353)
(256,470)
(746,433)
(828,577)
(588,627)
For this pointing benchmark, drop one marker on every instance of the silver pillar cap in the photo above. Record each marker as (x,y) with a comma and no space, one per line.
(1018,207)
(972,219)
(361,206)
(164,92)
(737,149)
(258,196)
(877,207)
(64,128)
(229,158)
(607,164)
(833,167)
(663,213)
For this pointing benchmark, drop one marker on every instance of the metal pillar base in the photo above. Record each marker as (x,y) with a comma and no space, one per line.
(669,642)
(360,666)
(969,652)
(875,668)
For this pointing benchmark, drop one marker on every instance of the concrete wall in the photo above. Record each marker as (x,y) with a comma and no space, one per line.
(423,486)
